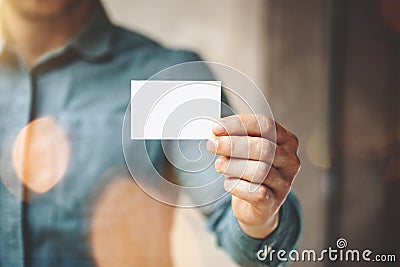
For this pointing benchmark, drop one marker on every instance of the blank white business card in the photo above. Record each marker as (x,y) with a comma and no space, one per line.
(174,109)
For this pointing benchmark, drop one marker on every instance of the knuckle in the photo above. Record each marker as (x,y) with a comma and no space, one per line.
(297,163)
(226,145)
(272,149)
(265,123)
(231,145)
(260,173)
(294,165)
(295,140)
(259,147)
(236,123)
(261,195)
(282,182)
(262,168)
(265,149)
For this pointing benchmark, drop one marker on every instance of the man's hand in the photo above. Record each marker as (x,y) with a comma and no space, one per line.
(258,179)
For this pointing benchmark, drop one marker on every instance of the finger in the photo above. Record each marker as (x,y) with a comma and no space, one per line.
(290,165)
(250,170)
(278,184)
(262,198)
(292,143)
(251,148)
(255,148)
(256,172)
(257,125)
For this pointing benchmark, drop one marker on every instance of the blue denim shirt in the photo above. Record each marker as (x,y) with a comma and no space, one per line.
(85,88)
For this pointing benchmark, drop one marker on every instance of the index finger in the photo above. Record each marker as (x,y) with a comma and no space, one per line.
(257,125)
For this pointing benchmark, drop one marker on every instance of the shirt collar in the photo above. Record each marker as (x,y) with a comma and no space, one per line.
(93,41)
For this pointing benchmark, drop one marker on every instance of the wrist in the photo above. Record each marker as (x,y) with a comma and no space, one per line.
(261,231)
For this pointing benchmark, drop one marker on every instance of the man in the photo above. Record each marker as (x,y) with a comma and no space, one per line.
(65,72)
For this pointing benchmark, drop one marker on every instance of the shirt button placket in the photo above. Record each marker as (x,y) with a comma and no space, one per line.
(12,218)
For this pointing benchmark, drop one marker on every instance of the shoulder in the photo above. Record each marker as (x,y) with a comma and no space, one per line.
(136,46)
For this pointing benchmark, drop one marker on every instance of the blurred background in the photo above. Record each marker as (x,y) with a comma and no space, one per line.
(329,69)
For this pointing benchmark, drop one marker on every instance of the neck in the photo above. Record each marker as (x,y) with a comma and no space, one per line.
(33,37)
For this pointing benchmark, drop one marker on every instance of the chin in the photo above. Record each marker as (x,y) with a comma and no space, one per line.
(45,9)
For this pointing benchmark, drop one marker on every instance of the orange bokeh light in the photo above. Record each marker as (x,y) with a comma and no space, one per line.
(129,228)
(41,154)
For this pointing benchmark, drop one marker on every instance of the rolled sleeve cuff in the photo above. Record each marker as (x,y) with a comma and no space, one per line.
(244,249)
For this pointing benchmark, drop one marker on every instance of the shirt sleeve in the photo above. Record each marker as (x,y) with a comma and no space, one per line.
(245,249)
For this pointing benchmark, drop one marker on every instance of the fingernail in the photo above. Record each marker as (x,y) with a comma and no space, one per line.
(253,187)
(212,145)
(229,184)
(218,164)
(218,129)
